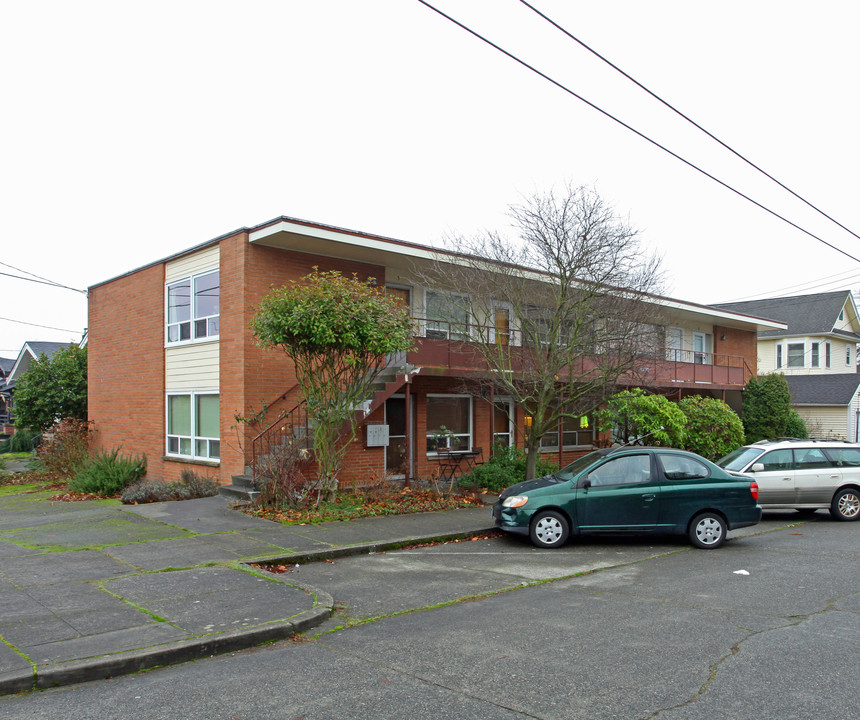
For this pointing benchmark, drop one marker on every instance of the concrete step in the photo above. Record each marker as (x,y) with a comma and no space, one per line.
(242,489)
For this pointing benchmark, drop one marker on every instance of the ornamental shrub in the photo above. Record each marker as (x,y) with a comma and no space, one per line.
(795,426)
(107,473)
(191,486)
(506,467)
(67,449)
(637,418)
(713,428)
(24,440)
(766,407)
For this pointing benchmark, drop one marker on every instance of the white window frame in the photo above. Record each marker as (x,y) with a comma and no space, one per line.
(675,344)
(193,438)
(778,356)
(192,319)
(848,355)
(788,347)
(827,354)
(471,433)
(815,354)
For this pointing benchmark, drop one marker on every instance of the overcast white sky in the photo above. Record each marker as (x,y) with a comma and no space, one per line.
(132,130)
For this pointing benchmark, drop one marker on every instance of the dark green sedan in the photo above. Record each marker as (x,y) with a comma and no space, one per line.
(631,490)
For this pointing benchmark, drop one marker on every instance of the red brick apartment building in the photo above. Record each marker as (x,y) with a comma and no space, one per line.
(172,361)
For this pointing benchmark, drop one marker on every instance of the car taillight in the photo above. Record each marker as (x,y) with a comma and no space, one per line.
(754,489)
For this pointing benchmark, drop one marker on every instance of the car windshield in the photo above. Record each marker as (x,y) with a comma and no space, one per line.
(580,464)
(738,459)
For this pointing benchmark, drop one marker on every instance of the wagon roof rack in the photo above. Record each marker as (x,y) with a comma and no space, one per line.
(794,439)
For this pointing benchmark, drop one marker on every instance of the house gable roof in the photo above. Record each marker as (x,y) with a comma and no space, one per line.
(804,314)
(830,389)
(31,351)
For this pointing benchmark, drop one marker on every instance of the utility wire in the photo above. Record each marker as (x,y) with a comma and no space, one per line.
(635,131)
(47,327)
(42,280)
(688,119)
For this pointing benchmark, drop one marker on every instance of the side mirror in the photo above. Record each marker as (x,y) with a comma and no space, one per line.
(757,467)
(585,483)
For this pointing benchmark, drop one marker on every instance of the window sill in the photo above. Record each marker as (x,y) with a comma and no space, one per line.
(186,343)
(191,461)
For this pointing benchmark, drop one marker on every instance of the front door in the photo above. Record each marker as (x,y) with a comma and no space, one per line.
(624,495)
(395,453)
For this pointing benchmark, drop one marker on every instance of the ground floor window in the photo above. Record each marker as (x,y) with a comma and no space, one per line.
(193,422)
(449,422)
(575,433)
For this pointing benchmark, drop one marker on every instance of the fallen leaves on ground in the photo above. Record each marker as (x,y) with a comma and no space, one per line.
(349,506)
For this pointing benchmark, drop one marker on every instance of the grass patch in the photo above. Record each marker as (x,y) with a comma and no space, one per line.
(351,506)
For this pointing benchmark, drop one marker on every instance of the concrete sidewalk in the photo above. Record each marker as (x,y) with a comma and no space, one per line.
(89,590)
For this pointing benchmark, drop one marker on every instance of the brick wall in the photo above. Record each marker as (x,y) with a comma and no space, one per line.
(125,359)
(741,343)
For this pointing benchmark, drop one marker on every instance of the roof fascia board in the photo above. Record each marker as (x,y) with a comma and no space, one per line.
(414,251)
(21,355)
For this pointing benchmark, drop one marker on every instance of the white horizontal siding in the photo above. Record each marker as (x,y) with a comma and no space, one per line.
(192,367)
(206,259)
(826,421)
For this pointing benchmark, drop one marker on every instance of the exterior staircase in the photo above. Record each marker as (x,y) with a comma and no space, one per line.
(243,490)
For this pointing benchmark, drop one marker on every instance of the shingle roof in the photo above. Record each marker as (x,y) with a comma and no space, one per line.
(6,365)
(804,314)
(46,348)
(831,389)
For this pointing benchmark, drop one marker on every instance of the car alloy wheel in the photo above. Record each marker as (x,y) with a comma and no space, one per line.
(549,529)
(707,531)
(846,505)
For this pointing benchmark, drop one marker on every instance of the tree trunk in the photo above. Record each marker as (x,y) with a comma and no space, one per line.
(531,460)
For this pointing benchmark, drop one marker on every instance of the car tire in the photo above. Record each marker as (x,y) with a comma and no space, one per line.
(707,531)
(846,505)
(549,529)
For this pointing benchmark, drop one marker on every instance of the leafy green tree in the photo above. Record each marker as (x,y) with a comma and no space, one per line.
(713,428)
(637,418)
(766,407)
(339,332)
(52,388)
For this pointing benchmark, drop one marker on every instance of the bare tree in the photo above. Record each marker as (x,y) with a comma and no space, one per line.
(559,314)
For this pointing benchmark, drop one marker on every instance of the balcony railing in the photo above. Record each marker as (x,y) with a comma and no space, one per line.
(451,347)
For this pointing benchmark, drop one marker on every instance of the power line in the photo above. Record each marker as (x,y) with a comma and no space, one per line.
(41,280)
(687,118)
(47,327)
(635,131)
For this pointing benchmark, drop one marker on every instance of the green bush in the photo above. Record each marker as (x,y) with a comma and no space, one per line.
(107,473)
(637,418)
(24,440)
(766,407)
(713,428)
(795,426)
(506,467)
(189,487)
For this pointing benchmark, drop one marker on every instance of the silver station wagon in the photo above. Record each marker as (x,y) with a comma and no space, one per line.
(802,475)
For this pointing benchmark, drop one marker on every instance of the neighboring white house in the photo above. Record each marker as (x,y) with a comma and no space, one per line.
(817,354)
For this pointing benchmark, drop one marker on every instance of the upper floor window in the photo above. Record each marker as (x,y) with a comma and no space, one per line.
(827,354)
(816,361)
(193,308)
(847,354)
(795,354)
(779,355)
(447,315)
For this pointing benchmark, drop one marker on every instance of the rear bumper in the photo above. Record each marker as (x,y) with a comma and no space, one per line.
(746,518)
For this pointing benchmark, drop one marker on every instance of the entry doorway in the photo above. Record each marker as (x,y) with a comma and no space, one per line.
(396,462)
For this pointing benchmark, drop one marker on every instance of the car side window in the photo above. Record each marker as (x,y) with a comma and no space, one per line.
(680,467)
(844,457)
(810,459)
(777,460)
(626,470)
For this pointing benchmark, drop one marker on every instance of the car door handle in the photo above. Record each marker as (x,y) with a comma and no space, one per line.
(648,498)
(787,479)
(834,477)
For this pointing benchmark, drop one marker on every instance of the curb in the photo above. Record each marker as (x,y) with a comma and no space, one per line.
(137,660)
